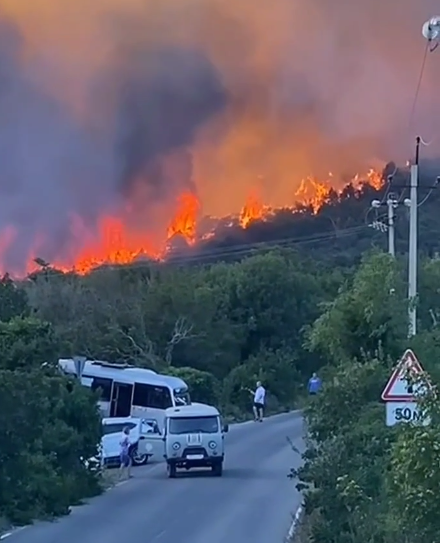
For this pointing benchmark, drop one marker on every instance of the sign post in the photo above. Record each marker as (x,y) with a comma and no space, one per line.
(400,395)
(80,362)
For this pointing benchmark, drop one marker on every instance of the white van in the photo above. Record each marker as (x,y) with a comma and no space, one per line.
(194,438)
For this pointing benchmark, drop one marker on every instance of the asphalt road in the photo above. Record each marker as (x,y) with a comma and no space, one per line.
(252,503)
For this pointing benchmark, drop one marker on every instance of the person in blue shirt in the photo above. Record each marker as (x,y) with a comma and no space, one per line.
(314,385)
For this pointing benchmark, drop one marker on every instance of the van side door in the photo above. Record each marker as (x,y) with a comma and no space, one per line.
(151,440)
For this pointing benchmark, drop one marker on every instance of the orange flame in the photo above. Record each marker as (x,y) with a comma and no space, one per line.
(313,193)
(114,245)
(252,210)
(185,221)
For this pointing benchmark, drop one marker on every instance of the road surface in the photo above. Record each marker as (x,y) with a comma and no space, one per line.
(252,503)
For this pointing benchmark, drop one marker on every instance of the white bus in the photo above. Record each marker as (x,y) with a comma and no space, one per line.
(129,391)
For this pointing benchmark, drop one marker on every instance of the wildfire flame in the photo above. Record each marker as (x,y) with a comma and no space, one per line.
(252,210)
(115,244)
(185,221)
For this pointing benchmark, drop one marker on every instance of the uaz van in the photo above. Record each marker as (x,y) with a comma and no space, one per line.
(194,438)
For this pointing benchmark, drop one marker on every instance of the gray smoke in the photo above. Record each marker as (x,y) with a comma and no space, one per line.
(164,96)
(52,167)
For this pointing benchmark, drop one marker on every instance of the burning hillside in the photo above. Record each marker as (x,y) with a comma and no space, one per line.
(115,244)
(122,129)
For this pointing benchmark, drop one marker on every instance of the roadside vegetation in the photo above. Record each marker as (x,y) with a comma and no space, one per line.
(364,482)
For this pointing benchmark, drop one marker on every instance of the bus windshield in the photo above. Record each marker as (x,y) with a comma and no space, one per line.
(194,425)
(181,397)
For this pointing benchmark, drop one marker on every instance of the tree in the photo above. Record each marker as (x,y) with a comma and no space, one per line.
(414,478)
(48,426)
(203,386)
(346,457)
(369,312)
(27,342)
(13,299)
(271,299)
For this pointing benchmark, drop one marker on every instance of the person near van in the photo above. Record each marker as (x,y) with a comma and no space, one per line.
(314,385)
(259,401)
(125,458)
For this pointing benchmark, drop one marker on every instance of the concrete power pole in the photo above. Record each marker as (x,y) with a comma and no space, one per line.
(413,235)
(391,204)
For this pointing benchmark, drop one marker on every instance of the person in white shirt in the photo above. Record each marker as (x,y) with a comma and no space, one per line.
(259,401)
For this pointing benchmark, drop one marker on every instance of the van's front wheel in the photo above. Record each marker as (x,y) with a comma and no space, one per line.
(217,469)
(172,471)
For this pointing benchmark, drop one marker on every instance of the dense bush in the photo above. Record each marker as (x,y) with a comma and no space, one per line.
(362,481)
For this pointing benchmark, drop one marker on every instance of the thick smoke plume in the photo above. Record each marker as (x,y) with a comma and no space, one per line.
(116,106)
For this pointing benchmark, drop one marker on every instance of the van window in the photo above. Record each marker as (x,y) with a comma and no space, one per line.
(193,425)
(151,396)
(117,427)
(104,386)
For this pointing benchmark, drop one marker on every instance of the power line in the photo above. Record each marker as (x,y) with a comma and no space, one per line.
(419,85)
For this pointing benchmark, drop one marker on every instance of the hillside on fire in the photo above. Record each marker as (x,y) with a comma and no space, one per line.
(187,186)
(333,225)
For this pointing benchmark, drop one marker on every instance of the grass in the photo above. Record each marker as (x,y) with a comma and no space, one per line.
(110,477)
(5,525)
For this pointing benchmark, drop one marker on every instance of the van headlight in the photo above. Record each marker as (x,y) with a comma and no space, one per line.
(176,446)
(212,444)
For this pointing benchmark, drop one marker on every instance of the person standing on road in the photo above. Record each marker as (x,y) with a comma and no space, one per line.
(259,401)
(314,385)
(125,458)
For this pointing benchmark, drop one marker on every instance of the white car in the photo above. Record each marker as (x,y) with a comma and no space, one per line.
(140,450)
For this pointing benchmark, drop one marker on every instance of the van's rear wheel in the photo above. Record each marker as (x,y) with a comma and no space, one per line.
(139,459)
(217,469)
(172,471)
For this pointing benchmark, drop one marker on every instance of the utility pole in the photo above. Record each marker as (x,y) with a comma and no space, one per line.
(391,204)
(413,234)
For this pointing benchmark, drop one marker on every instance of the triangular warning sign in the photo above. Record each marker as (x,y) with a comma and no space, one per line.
(397,388)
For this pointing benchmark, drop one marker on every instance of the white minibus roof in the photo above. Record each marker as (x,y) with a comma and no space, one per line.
(122,373)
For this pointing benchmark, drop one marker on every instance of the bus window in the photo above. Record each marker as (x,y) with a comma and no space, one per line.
(160,398)
(141,395)
(104,386)
(151,396)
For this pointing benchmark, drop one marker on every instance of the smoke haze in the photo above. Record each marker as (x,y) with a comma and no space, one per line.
(117,105)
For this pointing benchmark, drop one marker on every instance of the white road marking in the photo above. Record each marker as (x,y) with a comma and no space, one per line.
(12,532)
(294,525)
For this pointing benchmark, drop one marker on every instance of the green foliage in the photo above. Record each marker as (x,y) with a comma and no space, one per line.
(47,426)
(203,385)
(368,312)
(362,481)
(414,481)
(344,463)
(27,342)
